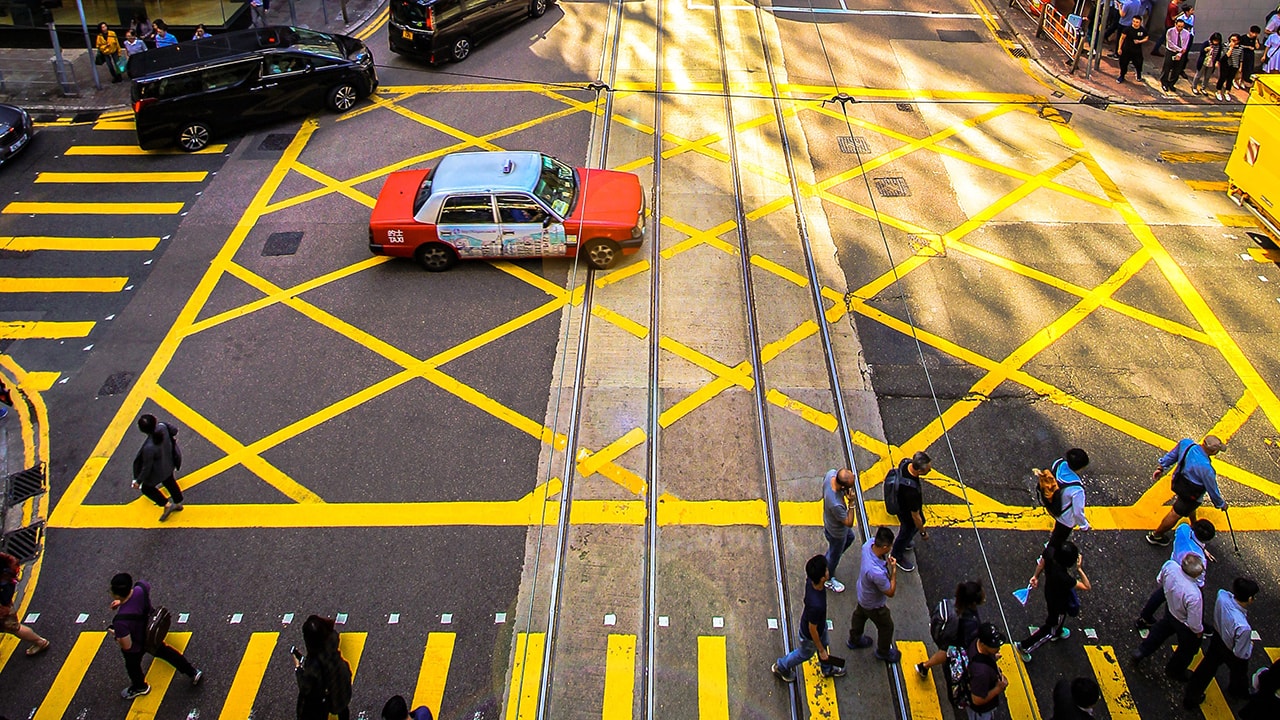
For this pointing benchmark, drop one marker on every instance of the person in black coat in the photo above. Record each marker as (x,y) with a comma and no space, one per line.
(1074,699)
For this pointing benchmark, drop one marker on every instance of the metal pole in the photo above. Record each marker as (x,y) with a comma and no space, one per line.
(60,66)
(88,43)
(1094,55)
(345,20)
(293,14)
(325,9)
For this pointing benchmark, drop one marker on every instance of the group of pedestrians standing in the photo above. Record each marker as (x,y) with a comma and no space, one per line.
(140,36)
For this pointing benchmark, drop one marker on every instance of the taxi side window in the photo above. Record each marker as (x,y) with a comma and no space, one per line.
(467,210)
(519,209)
(282,65)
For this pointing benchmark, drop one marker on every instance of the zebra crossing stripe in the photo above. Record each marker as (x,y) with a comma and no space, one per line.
(64,687)
(244,687)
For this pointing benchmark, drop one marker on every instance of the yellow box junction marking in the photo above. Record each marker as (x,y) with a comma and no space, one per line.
(434,671)
(248,677)
(619,677)
(713,678)
(526,676)
(51,330)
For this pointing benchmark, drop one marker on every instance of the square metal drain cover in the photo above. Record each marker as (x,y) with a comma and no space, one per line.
(116,384)
(959,36)
(906,107)
(276,142)
(892,186)
(1019,52)
(1095,101)
(282,243)
(853,144)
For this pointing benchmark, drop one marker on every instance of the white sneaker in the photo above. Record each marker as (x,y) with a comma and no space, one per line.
(835,585)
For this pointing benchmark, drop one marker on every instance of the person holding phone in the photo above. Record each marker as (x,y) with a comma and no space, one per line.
(813,627)
(323,676)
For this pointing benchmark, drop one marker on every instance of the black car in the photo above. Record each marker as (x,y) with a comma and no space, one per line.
(15,131)
(194,91)
(440,30)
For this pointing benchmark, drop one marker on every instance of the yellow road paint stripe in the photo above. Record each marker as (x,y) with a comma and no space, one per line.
(711,365)
(713,678)
(922,694)
(70,674)
(632,438)
(617,275)
(121,177)
(1194,156)
(820,692)
(1019,697)
(248,678)
(696,236)
(1264,255)
(434,672)
(621,321)
(330,182)
(785,273)
(79,244)
(128,125)
(44,330)
(1273,653)
(1215,705)
(1235,417)
(822,419)
(89,208)
(1115,690)
(129,150)
(351,645)
(531,278)
(62,284)
(159,676)
(1238,221)
(619,677)
(1207,185)
(39,381)
(526,676)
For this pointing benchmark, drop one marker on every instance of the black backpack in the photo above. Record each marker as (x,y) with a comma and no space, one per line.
(893,481)
(944,624)
(159,620)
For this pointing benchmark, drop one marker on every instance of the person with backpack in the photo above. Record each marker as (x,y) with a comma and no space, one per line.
(812,632)
(1187,539)
(1184,616)
(10,572)
(985,683)
(877,582)
(397,709)
(837,520)
(137,634)
(156,463)
(1062,494)
(323,675)
(1231,644)
(1060,595)
(903,498)
(1074,699)
(1193,476)
(954,623)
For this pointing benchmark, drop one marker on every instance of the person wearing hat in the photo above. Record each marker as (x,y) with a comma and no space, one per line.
(1177,40)
(986,682)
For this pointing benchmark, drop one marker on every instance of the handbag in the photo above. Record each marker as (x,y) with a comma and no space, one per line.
(99,58)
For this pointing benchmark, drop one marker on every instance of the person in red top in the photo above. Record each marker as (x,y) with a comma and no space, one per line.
(1170,14)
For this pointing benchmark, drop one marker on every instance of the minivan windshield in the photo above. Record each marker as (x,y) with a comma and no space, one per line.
(557,186)
(316,42)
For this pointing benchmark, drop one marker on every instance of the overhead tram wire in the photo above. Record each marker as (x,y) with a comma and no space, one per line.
(844,99)
(757,365)
(893,670)
(579,373)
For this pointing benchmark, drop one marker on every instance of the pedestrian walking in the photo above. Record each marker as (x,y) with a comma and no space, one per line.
(1074,699)
(1061,595)
(1264,703)
(397,709)
(323,676)
(958,628)
(1062,494)
(986,682)
(1171,11)
(877,582)
(156,463)
(837,519)
(1231,644)
(1183,617)
(163,38)
(132,603)
(258,12)
(10,573)
(108,50)
(909,506)
(1190,539)
(1130,48)
(1193,476)
(1177,41)
(1228,66)
(1207,64)
(812,632)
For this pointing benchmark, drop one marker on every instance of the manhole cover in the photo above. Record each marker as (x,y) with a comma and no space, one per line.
(1095,102)
(906,107)
(282,243)
(853,144)
(959,36)
(892,186)
(116,384)
(276,142)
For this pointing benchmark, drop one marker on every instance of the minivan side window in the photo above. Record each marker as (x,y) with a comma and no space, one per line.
(282,65)
(226,76)
(473,5)
(467,210)
(178,85)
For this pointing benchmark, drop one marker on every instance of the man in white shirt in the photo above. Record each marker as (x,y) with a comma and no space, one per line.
(1177,41)
(1183,616)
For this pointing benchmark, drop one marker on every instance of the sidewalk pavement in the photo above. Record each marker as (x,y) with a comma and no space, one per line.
(1102,84)
(46,102)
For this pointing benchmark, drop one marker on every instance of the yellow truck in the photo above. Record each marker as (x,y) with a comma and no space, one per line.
(1254,167)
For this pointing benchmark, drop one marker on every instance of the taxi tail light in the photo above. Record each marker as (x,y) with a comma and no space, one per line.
(137,106)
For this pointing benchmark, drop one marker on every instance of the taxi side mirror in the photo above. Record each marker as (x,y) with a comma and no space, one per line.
(546,221)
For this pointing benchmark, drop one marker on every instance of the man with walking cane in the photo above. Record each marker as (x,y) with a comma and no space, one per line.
(1193,476)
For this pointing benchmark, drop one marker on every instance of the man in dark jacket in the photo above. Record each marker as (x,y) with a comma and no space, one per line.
(910,507)
(1074,699)
(155,464)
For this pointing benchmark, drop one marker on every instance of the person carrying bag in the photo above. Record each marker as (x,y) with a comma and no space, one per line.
(108,51)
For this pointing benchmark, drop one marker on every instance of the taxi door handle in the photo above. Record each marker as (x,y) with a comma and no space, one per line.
(508,232)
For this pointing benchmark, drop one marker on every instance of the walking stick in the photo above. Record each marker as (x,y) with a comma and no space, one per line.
(1227,512)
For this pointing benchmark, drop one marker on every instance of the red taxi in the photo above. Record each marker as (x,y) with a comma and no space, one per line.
(504,205)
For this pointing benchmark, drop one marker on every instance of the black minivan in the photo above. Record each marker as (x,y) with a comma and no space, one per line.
(440,30)
(194,91)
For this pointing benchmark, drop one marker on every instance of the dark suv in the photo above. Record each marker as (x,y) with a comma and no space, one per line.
(191,92)
(440,30)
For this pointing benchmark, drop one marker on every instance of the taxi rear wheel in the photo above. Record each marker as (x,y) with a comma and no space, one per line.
(601,253)
(435,257)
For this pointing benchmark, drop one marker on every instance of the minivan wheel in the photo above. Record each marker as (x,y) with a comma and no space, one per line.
(343,97)
(601,253)
(435,257)
(194,136)
(461,49)
(538,8)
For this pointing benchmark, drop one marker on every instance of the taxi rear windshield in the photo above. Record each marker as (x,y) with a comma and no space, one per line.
(557,186)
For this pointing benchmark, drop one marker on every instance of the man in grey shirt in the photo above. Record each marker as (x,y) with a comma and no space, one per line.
(837,520)
(1183,616)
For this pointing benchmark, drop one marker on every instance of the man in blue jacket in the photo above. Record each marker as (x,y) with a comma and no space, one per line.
(1193,476)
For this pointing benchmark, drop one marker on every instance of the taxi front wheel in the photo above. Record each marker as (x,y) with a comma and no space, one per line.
(435,257)
(601,253)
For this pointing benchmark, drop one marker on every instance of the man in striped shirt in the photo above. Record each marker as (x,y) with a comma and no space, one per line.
(1231,645)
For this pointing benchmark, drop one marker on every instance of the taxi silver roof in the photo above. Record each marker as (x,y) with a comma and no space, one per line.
(487,171)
